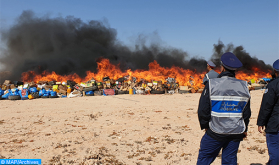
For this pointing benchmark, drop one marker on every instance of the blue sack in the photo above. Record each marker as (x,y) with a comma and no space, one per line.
(266,79)
(53,93)
(14,92)
(89,93)
(46,94)
(6,94)
(33,90)
(24,94)
(42,92)
(63,96)
(1,92)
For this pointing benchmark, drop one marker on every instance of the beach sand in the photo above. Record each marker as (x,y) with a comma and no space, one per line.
(120,129)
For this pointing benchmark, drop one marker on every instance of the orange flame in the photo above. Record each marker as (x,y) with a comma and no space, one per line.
(156,72)
(257,73)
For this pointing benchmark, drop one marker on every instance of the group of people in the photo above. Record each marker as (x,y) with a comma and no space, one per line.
(224,113)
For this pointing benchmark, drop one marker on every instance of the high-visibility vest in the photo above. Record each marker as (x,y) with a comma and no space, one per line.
(228,98)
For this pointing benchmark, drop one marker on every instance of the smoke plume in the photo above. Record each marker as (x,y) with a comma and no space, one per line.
(247,61)
(69,45)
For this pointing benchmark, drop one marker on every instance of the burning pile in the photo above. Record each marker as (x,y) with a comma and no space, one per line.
(106,69)
(110,80)
(52,55)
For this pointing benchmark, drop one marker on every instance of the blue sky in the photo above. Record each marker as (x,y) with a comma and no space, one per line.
(193,26)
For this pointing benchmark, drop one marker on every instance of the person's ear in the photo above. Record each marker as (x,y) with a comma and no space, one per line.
(221,68)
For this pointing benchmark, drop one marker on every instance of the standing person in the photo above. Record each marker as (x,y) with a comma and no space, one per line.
(224,112)
(211,74)
(268,118)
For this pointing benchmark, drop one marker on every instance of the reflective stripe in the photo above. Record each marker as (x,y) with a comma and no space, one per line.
(229,98)
(226,114)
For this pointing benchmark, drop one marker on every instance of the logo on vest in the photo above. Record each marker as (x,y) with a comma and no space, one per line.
(229,107)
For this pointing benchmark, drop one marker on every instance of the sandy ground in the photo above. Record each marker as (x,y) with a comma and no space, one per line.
(121,129)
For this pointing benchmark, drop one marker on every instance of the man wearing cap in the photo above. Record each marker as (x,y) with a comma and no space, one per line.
(268,118)
(211,73)
(224,112)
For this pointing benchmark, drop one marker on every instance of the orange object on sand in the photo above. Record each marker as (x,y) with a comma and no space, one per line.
(30,97)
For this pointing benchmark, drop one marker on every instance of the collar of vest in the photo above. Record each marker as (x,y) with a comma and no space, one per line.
(226,73)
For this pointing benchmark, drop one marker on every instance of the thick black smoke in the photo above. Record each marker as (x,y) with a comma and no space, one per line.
(69,45)
(247,61)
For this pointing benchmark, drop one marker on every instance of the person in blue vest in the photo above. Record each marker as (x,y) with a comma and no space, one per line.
(211,73)
(224,112)
(268,119)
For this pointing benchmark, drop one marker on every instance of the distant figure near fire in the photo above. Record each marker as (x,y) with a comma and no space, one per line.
(211,74)
(224,112)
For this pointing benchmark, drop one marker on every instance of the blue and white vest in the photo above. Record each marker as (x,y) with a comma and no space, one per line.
(228,97)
